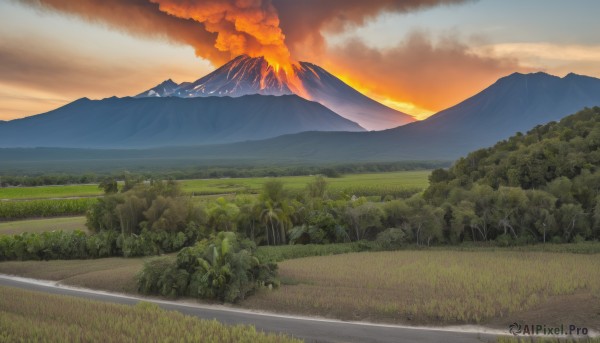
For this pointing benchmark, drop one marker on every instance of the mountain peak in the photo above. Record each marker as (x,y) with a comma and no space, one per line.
(169,82)
(245,75)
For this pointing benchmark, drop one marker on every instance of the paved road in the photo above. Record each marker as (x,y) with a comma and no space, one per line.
(309,329)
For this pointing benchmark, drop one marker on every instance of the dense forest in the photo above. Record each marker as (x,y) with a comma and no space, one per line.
(536,187)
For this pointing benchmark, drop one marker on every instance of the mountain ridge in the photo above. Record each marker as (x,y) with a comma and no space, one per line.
(151,122)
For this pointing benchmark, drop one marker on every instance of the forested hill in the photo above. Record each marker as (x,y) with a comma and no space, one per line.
(532,187)
(559,149)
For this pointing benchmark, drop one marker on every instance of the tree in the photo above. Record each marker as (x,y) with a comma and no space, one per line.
(317,188)
(131,213)
(539,214)
(109,186)
(362,218)
(572,220)
(425,220)
(510,203)
(223,215)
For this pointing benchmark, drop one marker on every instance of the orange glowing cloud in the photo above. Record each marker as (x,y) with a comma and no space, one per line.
(243,27)
(418,76)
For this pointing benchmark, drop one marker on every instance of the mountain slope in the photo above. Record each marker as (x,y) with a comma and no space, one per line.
(151,122)
(515,103)
(244,75)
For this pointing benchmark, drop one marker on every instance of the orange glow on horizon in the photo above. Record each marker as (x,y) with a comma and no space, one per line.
(407,107)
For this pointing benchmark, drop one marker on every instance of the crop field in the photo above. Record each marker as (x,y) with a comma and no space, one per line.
(440,287)
(362,184)
(432,286)
(27,316)
(43,225)
(107,274)
(46,192)
(13,210)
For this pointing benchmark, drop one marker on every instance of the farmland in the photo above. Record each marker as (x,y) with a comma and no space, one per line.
(361,183)
(30,316)
(433,286)
(49,192)
(425,287)
(107,274)
(42,225)
(13,210)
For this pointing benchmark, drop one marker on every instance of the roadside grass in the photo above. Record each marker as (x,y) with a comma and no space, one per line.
(429,287)
(43,225)
(107,274)
(27,316)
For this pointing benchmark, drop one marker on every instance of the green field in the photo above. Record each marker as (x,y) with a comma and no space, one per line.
(43,225)
(27,316)
(369,184)
(43,208)
(48,192)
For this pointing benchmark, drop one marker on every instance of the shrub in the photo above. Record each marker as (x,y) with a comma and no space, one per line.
(222,268)
(392,238)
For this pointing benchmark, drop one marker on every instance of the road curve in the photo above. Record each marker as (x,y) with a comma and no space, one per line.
(306,328)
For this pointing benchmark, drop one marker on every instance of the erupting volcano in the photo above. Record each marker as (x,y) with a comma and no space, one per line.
(250,30)
(245,75)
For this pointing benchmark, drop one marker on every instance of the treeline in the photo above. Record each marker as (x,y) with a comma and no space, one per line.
(539,187)
(141,220)
(44,179)
(61,245)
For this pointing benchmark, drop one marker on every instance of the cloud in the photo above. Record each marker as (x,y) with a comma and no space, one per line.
(217,28)
(42,75)
(140,18)
(304,22)
(417,73)
(555,58)
(430,75)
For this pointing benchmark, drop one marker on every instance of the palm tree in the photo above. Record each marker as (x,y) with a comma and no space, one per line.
(269,215)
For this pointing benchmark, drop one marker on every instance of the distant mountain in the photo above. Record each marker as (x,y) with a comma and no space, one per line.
(515,103)
(244,75)
(164,89)
(155,121)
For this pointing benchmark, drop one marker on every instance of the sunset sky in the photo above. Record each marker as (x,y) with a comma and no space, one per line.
(419,56)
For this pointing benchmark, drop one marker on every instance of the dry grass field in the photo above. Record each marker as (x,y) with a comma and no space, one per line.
(434,287)
(107,274)
(27,316)
(439,287)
